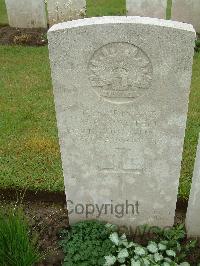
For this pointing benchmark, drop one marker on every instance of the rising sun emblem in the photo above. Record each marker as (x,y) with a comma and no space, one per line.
(120,72)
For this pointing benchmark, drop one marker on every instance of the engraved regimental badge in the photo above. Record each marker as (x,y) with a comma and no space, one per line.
(120,72)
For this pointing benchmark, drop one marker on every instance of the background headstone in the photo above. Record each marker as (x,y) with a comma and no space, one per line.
(187,11)
(147,8)
(193,211)
(121,87)
(26,13)
(64,10)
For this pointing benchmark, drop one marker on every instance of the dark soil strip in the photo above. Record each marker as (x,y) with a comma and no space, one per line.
(26,37)
(15,194)
(20,195)
(19,36)
(182,204)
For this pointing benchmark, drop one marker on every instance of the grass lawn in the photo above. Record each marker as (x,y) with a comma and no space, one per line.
(169,8)
(3,14)
(29,150)
(97,8)
(192,131)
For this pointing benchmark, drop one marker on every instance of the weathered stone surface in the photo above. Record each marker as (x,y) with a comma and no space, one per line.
(26,13)
(64,10)
(147,8)
(121,87)
(187,11)
(193,211)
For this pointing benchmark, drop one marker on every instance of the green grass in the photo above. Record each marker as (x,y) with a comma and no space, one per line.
(3,13)
(97,8)
(168,10)
(29,151)
(16,246)
(192,131)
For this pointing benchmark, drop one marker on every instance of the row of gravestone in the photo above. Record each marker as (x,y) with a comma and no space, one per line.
(181,10)
(121,88)
(27,13)
(32,13)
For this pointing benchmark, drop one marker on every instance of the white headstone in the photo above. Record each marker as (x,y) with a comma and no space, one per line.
(121,87)
(147,8)
(193,211)
(187,11)
(26,13)
(64,10)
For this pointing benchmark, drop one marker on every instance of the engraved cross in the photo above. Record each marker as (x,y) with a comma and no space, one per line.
(119,166)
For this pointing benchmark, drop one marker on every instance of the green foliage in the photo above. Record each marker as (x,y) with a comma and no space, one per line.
(167,250)
(175,239)
(16,248)
(96,243)
(86,243)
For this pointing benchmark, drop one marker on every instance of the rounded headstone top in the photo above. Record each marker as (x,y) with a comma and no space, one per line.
(122,20)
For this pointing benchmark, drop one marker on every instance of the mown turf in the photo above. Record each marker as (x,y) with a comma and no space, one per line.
(169,9)
(97,8)
(192,131)
(3,13)
(29,151)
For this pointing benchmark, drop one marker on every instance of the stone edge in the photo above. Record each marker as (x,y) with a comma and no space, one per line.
(122,20)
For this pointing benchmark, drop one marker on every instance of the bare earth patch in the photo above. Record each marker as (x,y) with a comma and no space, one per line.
(18,36)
